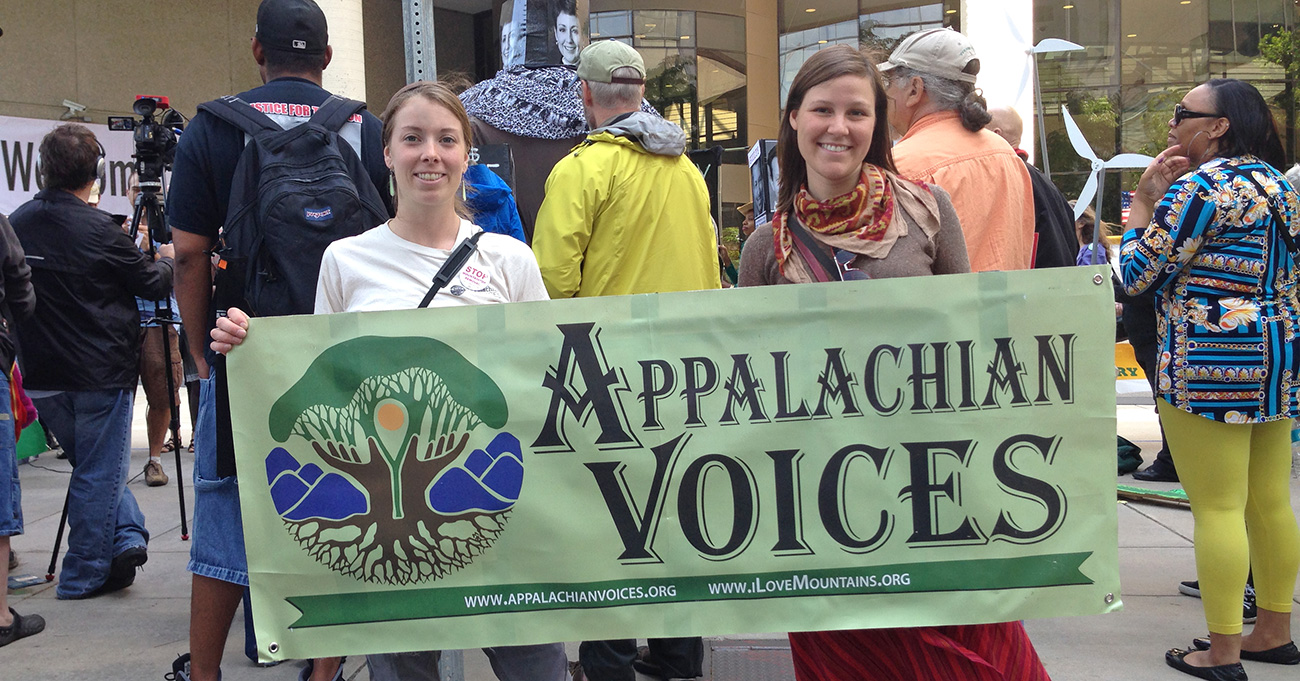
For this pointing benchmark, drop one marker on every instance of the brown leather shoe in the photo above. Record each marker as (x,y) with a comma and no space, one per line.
(154,475)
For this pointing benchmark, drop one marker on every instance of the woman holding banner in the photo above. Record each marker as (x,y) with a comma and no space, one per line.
(1217,243)
(843,214)
(426,137)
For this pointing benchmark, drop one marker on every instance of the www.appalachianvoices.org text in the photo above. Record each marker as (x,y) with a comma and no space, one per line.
(659,592)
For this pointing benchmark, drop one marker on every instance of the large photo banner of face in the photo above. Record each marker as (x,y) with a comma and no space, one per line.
(542,32)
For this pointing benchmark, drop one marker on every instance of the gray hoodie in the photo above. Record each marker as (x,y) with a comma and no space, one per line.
(652,133)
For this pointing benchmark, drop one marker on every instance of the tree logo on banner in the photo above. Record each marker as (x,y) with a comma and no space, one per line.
(400,494)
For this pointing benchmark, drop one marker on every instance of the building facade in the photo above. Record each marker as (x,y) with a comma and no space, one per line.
(719,68)
(1142,56)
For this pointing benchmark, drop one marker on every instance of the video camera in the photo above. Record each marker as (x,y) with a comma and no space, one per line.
(155,149)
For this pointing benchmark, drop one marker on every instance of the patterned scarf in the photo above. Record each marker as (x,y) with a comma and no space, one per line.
(866,221)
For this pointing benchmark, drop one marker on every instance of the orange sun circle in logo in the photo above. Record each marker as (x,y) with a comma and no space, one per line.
(390,416)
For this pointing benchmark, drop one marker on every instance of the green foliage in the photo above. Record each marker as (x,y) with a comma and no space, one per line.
(731,240)
(875,44)
(1155,121)
(1097,110)
(1281,47)
(673,84)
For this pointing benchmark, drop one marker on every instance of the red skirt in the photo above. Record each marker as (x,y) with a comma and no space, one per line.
(979,652)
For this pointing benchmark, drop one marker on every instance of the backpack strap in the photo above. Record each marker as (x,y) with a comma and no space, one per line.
(240,114)
(335,112)
(454,263)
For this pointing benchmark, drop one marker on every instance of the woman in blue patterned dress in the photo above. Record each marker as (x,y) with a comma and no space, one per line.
(1218,247)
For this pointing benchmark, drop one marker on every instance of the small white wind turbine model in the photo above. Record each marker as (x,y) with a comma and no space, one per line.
(1092,188)
(1046,46)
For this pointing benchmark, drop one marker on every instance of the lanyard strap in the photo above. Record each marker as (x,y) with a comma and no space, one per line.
(455,262)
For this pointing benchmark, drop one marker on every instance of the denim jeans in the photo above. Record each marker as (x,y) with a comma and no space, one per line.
(217,546)
(94,427)
(11,496)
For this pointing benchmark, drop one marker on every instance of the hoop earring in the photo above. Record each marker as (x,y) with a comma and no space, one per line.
(1199,159)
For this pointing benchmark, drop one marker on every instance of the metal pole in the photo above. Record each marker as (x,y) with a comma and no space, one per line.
(417,30)
(1042,125)
(451,666)
(1095,258)
(58,537)
(422,64)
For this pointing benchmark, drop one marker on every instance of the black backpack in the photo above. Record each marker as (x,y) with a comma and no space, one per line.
(294,192)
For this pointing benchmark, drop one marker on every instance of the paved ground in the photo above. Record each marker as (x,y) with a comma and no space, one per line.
(135,634)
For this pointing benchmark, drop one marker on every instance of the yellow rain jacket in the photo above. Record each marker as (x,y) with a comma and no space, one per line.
(626,212)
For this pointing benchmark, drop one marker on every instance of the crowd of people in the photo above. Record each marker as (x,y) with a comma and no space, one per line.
(892,167)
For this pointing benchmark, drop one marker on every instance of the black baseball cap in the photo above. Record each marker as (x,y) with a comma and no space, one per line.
(296,26)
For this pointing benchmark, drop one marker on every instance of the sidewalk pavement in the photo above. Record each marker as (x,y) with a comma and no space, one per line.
(136,633)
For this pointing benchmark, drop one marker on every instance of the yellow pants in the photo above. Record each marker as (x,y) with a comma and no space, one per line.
(1237,476)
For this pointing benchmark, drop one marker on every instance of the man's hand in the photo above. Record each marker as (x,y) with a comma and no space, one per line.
(165,251)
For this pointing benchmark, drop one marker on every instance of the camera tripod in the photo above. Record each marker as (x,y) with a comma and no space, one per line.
(149,211)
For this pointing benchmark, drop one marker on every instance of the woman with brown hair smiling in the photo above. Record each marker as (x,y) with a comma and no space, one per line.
(842,214)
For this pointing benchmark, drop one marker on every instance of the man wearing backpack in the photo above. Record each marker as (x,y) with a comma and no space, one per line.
(291,48)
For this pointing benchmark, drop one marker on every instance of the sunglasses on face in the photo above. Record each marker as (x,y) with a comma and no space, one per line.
(1182,113)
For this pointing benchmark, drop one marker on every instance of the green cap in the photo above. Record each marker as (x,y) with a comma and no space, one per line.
(599,60)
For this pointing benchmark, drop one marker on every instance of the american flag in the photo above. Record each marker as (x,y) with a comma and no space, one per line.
(1125,203)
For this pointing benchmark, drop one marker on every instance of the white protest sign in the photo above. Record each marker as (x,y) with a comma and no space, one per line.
(20,141)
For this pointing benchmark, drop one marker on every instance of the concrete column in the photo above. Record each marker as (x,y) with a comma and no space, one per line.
(346,73)
(762,62)
(1001,31)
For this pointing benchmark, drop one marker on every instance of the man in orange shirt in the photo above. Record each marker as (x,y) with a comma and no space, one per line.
(934,106)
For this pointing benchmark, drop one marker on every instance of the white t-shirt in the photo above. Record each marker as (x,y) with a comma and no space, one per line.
(379,270)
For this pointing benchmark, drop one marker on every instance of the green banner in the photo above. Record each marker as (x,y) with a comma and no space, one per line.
(932,450)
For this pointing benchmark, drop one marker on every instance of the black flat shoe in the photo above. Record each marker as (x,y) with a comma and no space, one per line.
(1156,473)
(1283,654)
(1223,672)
